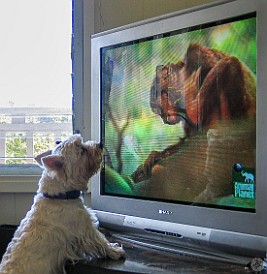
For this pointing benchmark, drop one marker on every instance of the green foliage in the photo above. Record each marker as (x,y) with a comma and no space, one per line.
(115,183)
(16,148)
(43,142)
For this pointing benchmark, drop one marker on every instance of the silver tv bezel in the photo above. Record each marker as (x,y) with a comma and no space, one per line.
(236,229)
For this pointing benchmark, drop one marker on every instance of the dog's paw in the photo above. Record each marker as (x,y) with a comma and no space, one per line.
(115,251)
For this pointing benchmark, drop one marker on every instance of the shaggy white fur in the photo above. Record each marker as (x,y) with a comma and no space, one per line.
(57,229)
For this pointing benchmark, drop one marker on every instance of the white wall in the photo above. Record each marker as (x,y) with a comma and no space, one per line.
(98,15)
(14,206)
(115,13)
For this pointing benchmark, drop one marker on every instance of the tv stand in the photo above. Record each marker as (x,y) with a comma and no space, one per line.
(143,256)
(183,249)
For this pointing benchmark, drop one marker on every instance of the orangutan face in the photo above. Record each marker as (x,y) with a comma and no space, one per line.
(166,94)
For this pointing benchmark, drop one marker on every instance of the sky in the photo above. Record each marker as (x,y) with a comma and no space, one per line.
(35,59)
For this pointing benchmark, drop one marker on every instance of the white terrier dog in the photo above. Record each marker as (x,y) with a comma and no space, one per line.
(59,227)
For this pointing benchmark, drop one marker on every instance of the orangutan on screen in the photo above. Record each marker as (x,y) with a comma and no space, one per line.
(212,94)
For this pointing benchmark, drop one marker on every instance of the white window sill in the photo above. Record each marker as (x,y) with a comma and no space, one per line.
(19,184)
(19,179)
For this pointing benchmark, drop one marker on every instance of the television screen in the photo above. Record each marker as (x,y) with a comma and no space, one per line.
(178,115)
(179,103)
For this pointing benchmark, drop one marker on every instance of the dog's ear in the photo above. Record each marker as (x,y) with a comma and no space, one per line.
(39,157)
(54,162)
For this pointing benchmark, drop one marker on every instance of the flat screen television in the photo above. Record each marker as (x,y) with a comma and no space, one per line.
(179,103)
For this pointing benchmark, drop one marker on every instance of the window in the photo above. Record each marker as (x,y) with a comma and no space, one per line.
(35,82)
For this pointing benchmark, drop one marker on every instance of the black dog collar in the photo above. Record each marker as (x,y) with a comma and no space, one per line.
(70,195)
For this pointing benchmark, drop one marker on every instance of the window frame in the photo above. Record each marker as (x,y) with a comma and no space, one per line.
(24,178)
